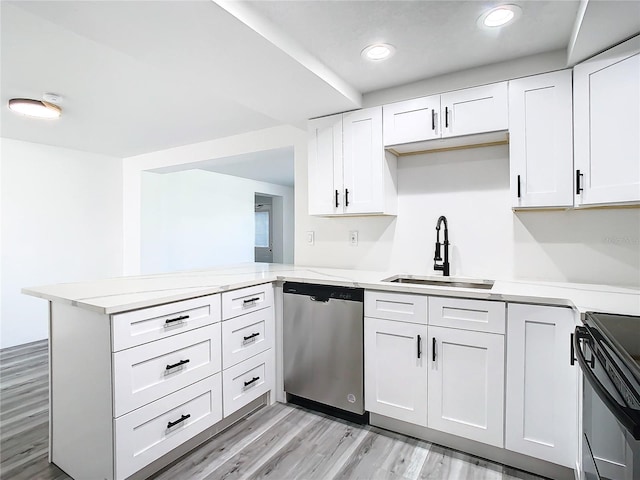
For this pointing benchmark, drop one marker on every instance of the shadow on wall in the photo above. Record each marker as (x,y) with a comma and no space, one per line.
(582,246)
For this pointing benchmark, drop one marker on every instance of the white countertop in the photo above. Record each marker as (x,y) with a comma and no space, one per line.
(129,293)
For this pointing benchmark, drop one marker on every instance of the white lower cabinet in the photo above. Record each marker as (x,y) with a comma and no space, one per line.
(466,384)
(149,432)
(541,416)
(395,369)
(247,380)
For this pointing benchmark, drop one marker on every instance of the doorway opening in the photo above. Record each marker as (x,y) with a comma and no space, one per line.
(269,235)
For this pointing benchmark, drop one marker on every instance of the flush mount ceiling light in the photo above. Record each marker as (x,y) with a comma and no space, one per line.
(34,108)
(378,51)
(499,16)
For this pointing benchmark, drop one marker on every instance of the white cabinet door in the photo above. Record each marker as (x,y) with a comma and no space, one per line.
(541,417)
(541,140)
(395,375)
(607,122)
(466,384)
(474,110)
(363,155)
(325,165)
(411,121)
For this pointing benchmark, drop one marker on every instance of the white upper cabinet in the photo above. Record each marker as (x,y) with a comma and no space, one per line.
(475,110)
(541,140)
(411,121)
(349,171)
(463,112)
(325,164)
(607,125)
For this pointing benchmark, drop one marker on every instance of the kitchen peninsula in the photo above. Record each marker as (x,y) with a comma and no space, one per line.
(198,323)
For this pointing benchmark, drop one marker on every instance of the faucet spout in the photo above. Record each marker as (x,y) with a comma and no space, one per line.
(444,267)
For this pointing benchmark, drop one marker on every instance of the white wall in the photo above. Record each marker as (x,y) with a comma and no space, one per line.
(267,139)
(471,188)
(61,222)
(198,219)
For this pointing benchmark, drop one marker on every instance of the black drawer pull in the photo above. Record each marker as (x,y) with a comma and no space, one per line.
(251,300)
(253,380)
(518,186)
(253,335)
(179,364)
(169,321)
(419,346)
(433,349)
(180,420)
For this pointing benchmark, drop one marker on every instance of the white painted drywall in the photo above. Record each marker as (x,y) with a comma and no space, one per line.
(488,240)
(197,219)
(256,141)
(61,222)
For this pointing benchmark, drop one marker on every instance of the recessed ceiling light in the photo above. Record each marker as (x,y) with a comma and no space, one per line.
(34,108)
(378,51)
(499,16)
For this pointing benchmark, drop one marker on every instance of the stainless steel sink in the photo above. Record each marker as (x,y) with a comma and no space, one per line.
(441,282)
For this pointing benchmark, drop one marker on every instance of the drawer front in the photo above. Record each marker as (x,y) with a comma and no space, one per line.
(477,315)
(396,306)
(246,381)
(148,372)
(146,434)
(245,300)
(246,336)
(141,326)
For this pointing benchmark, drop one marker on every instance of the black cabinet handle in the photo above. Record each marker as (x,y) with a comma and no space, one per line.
(169,321)
(518,186)
(433,349)
(346,197)
(251,300)
(337,204)
(578,187)
(446,117)
(179,364)
(572,360)
(253,380)
(433,120)
(419,346)
(180,420)
(253,335)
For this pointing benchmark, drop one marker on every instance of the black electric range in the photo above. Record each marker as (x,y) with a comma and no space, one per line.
(608,350)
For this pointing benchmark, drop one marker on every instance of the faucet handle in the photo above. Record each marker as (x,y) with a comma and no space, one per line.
(437,256)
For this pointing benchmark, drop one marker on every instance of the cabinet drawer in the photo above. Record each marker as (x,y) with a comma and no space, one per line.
(245,300)
(146,434)
(141,326)
(396,306)
(246,335)
(477,315)
(148,372)
(246,381)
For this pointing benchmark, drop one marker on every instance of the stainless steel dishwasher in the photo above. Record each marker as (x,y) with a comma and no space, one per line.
(323,348)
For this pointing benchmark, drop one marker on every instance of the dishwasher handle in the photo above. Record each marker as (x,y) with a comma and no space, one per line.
(316,298)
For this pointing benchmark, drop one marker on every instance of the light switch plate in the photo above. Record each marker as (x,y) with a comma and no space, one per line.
(353,238)
(311,238)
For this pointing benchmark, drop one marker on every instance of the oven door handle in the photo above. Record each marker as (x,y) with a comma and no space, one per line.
(613,406)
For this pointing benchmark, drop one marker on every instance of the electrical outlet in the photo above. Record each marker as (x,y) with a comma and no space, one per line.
(353,238)
(311,238)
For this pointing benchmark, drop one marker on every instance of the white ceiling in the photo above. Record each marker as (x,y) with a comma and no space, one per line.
(271,166)
(141,76)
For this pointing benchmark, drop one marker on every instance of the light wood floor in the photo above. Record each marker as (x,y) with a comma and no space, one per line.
(280,442)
